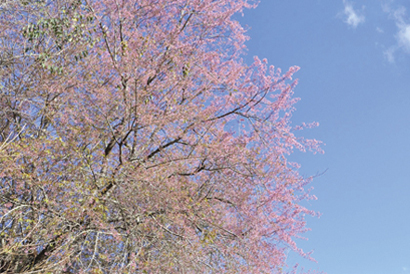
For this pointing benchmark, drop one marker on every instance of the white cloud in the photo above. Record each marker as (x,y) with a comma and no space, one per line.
(403,37)
(403,32)
(389,54)
(352,17)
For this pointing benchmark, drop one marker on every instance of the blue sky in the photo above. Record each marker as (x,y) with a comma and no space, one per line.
(355,81)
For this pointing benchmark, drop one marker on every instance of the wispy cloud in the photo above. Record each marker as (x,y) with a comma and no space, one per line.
(352,17)
(403,32)
(389,54)
(405,269)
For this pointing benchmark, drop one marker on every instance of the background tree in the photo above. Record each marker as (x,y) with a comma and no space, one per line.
(136,140)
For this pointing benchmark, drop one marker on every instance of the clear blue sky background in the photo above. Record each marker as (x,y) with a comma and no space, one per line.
(355,81)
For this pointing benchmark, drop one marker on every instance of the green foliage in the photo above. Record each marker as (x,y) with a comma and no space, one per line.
(48,37)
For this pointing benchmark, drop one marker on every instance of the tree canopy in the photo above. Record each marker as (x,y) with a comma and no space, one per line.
(135,139)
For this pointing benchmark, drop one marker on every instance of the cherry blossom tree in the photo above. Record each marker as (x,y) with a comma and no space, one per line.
(134,139)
